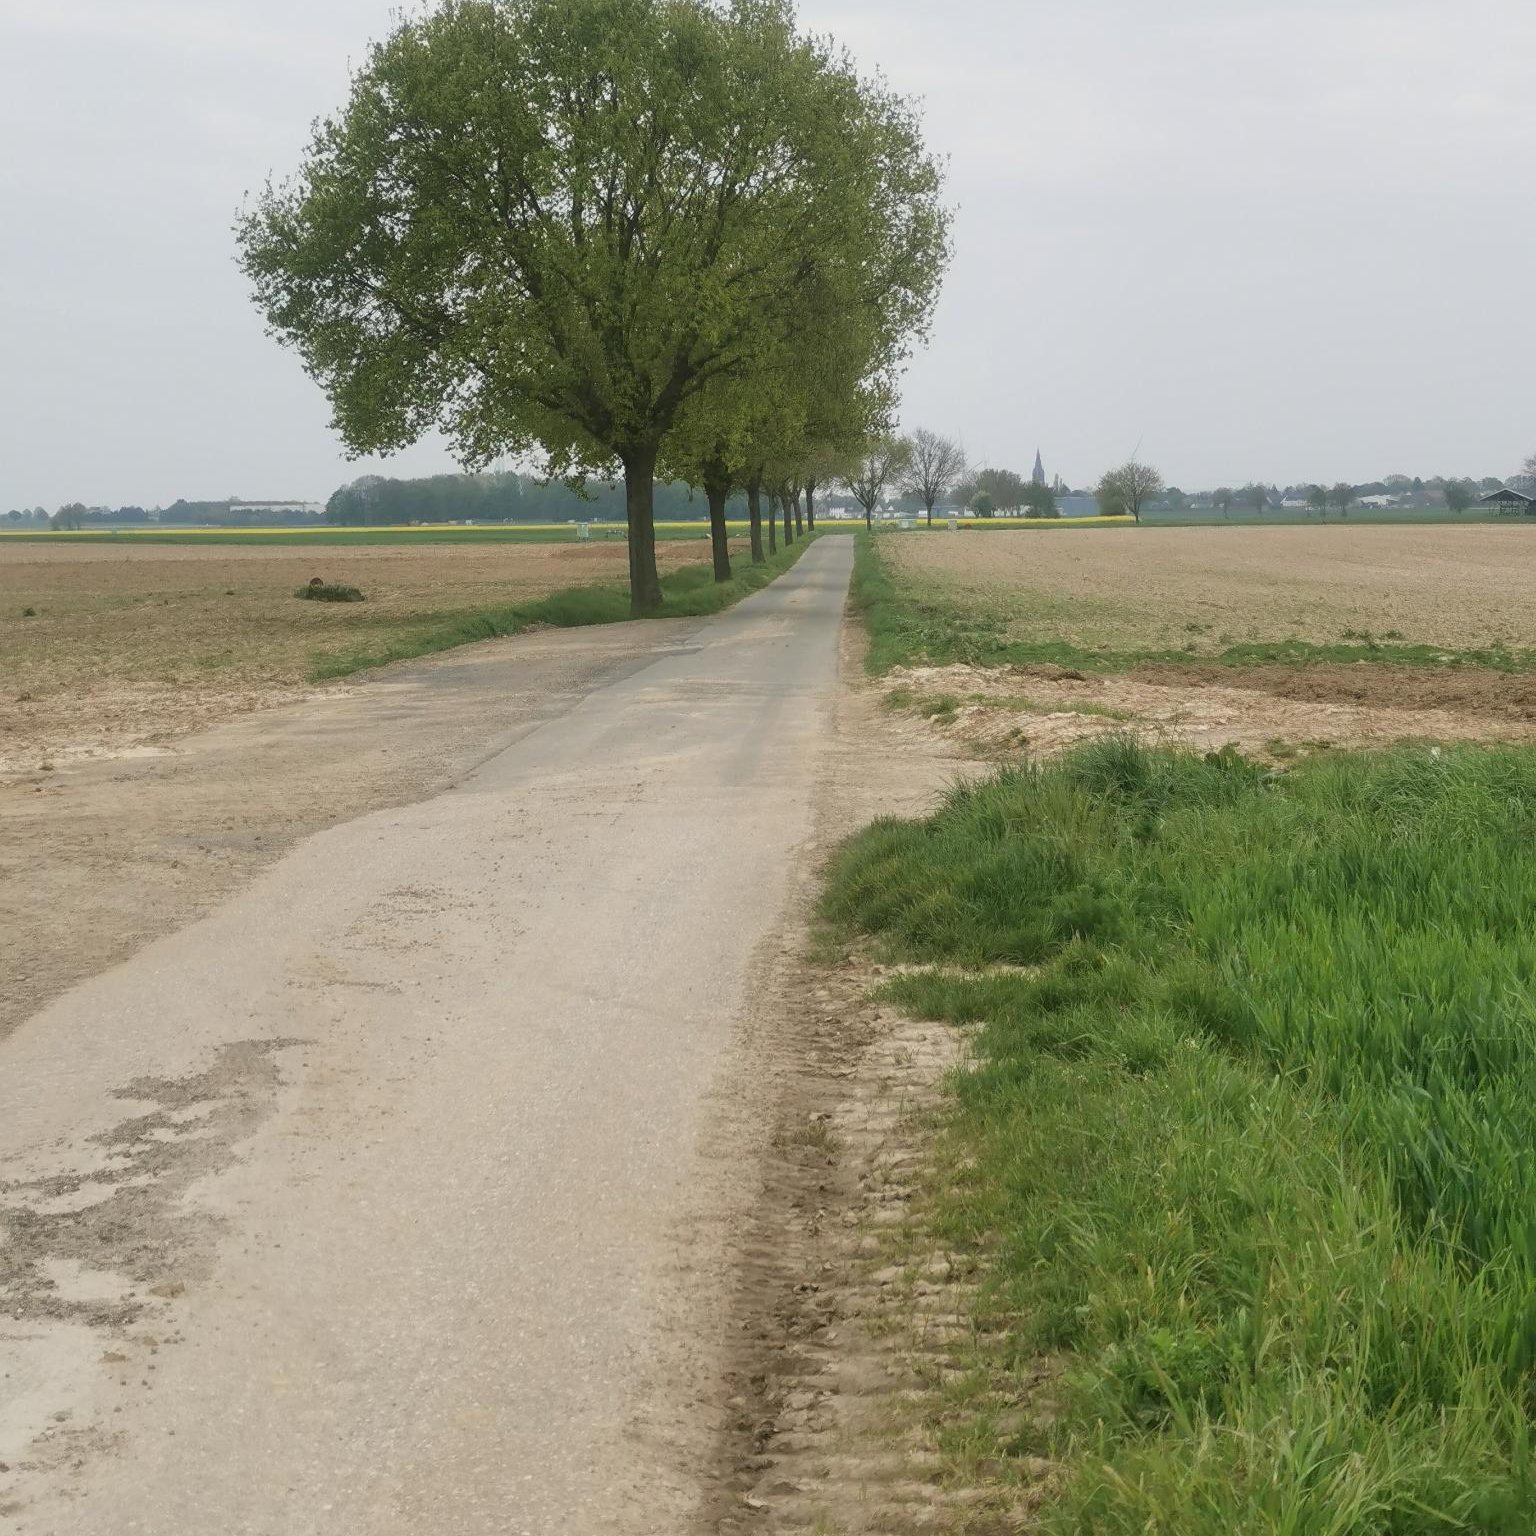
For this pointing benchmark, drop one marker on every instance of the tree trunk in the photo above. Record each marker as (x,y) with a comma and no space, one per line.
(930,514)
(799,521)
(755,518)
(810,506)
(789,527)
(640,511)
(718,493)
(869,518)
(773,524)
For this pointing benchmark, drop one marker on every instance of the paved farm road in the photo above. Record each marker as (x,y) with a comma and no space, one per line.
(361,1206)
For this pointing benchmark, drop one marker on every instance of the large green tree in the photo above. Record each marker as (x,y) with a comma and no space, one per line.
(1040,501)
(545,226)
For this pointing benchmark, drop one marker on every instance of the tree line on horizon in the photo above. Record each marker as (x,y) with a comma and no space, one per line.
(1454,493)
(923,472)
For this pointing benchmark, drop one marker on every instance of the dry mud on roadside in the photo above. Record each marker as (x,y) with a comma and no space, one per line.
(837,1358)
(854,1319)
(1044,709)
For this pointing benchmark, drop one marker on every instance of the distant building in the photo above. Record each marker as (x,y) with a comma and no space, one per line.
(1038,477)
(309,508)
(1517,498)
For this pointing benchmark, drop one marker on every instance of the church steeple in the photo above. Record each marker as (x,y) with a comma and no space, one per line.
(1039,475)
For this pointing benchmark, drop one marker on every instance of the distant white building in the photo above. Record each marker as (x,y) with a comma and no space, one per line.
(309,508)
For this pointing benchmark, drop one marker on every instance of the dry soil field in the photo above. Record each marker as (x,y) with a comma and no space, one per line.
(1203,589)
(1195,592)
(127,646)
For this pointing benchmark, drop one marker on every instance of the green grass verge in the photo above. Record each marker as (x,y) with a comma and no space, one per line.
(910,625)
(689,592)
(1252,1141)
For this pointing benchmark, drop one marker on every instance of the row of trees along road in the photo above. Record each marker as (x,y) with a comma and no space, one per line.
(666,235)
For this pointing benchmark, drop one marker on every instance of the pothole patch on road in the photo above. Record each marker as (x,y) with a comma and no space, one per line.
(117,1209)
(96,1252)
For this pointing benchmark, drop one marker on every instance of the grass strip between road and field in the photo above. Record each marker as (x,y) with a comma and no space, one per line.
(1251,1139)
(689,592)
(915,623)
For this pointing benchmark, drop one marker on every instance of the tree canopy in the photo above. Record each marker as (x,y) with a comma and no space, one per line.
(550,227)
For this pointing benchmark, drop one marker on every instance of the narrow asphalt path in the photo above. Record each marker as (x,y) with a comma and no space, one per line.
(362,1205)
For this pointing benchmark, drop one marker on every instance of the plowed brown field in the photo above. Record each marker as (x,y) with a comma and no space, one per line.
(1202,589)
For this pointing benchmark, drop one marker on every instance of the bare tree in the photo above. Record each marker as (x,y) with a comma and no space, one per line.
(1530,465)
(883,462)
(937,465)
(1128,489)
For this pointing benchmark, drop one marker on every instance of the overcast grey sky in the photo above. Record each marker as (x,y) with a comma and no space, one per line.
(1263,239)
